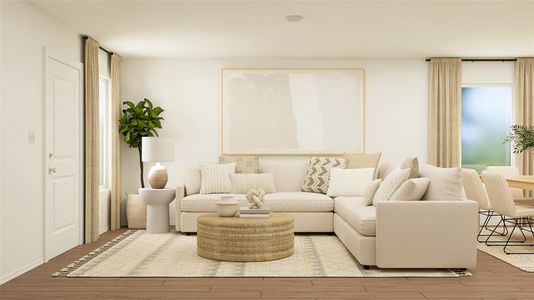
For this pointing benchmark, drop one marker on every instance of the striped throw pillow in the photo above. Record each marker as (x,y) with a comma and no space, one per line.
(215,178)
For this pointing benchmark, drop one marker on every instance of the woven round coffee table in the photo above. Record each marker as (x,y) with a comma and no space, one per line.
(245,239)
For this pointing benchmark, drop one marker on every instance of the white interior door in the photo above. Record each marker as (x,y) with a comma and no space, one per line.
(63,196)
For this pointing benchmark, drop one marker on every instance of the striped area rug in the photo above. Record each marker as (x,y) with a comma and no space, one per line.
(141,254)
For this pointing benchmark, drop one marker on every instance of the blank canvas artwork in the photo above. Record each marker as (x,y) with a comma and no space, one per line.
(293,111)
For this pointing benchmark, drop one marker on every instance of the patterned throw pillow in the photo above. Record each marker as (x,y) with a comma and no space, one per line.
(244,164)
(318,175)
(388,187)
(215,178)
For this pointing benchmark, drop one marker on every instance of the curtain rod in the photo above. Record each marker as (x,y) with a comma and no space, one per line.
(484,59)
(101,48)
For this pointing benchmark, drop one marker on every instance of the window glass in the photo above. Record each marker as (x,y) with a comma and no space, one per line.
(486,121)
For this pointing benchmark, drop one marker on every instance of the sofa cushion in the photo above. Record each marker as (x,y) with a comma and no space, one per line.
(206,202)
(445,183)
(277,202)
(357,214)
(288,173)
(299,202)
(243,183)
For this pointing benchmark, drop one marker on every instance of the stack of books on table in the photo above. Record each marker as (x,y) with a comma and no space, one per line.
(246,212)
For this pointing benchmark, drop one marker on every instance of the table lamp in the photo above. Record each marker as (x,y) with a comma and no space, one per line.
(157,149)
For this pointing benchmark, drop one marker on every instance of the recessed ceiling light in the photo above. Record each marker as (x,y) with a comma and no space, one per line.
(294,18)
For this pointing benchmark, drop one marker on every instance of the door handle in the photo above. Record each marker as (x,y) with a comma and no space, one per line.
(51,170)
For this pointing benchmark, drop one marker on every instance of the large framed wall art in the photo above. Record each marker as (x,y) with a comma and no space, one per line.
(293,111)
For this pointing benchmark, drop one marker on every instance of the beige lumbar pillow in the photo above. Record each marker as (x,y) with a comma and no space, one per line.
(243,183)
(362,160)
(244,164)
(318,174)
(370,192)
(411,190)
(349,182)
(215,178)
(413,164)
(390,185)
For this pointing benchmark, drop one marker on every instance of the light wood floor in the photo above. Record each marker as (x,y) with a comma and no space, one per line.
(493,279)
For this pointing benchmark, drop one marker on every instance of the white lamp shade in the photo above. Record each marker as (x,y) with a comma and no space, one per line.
(157,149)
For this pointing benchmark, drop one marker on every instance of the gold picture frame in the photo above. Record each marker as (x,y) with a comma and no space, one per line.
(360,104)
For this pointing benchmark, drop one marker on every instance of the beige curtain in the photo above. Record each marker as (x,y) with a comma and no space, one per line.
(524,107)
(445,84)
(115,142)
(91,140)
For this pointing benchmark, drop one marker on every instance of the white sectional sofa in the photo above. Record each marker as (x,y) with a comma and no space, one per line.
(394,234)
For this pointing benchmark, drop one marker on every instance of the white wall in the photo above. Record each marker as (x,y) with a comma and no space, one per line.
(488,72)
(25,30)
(189,91)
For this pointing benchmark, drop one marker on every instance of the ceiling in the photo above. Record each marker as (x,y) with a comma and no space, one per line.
(329,29)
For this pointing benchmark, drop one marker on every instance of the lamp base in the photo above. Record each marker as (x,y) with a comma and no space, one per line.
(158,176)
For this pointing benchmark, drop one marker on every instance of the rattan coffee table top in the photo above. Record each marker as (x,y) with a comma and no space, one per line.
(273,220)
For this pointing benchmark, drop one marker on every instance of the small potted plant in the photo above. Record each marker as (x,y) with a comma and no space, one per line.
(522,138)
(138,121)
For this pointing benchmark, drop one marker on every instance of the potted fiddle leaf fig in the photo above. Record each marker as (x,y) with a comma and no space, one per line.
(137,121)
(522,138)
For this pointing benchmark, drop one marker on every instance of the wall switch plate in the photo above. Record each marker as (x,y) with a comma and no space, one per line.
(31,137)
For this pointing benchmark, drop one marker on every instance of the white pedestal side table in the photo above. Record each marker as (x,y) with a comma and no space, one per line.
(157,211)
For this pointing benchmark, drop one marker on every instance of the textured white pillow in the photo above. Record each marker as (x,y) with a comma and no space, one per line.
(390,185)
(349,182)
(215,178)
(242,183)
(411,190)
(370,192)
(445,183)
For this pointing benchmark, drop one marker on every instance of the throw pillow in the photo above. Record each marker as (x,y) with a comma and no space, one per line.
(215,178)
(370,192)
(390,185)
(349,182)
(363,160)
(445,183)
(318,174)
(242,183)
(413,164)
(411,190)
(244,164)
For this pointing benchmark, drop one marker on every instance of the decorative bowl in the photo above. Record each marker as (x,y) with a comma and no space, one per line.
(227,207)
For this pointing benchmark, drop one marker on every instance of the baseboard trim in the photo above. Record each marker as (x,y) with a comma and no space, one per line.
(21,271)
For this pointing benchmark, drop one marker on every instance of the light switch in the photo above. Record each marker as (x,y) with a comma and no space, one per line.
(31,137)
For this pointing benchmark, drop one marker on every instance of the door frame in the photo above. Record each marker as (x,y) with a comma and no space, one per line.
(48,54)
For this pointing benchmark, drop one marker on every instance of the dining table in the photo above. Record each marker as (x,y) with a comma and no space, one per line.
(521,182)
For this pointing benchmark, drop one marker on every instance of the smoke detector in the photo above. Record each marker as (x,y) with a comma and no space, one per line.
(294,18)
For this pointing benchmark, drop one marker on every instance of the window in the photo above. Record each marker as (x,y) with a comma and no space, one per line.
(104,124)
(486,121)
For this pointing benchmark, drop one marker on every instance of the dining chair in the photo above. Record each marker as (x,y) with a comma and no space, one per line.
(475,190)
(502,202)
(508,172)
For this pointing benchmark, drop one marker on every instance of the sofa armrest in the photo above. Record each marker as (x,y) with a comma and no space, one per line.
(180,194)
(426,234)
